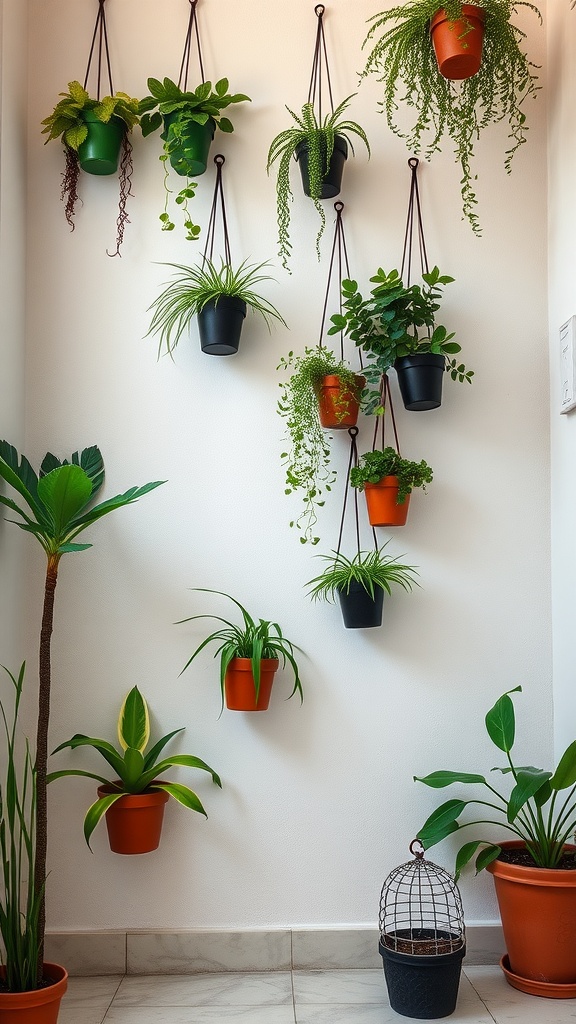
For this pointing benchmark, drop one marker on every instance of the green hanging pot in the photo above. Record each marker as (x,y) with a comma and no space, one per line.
(189,157)
(100,151)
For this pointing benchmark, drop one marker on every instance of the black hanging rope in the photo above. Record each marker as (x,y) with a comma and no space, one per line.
(101,33)
(386,403)
(339,252)
(217,202)
(414,215)
(319,66)
(352,461)
(185,65)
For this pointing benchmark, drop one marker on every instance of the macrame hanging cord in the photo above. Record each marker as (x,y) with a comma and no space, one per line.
(352,462)
(320,66)
(217,204)
(191,31)
(338,256)
(100,33)
(414,220)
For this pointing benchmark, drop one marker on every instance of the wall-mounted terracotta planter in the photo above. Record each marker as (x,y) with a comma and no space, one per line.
(220,325)
(134,822)
(381,502)
(338,405)
(239,688)
(359,609)
(458,49)
(420,381)
(332,180)
(100,151)
(41,1006)
(190,157)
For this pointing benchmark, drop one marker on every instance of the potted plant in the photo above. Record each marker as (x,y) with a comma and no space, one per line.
(218,297)
(535,874)
(249,657)
(321,149)
(387,481)
(403,59)
(360,583)
(321,390)
(396,328)
(189,119)
(58,508)
(134,802)
(94,133)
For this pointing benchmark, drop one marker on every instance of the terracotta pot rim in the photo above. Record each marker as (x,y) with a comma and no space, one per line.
(529,875)
(386,481)
(13,1000)
(158,796)
(245,664)
(468,11)
(332,380)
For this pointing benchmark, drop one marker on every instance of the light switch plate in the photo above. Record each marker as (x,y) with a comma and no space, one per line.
(567,366)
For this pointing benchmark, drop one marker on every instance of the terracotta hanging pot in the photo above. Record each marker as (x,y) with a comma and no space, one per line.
(100,151)
(359,609)
(338,404)
(134,822)
(538,911)
(41,1005)
(190,157)
(381,502)
(332,179)
(458,46)
(220,325)
(239,687)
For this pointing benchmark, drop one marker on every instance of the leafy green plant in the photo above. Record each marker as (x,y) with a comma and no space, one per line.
(403,59)
(193,287)
(20,898)
(372,569)
(533,810)
(389,323)
(252,639)
(307,460)
(374,466)
(320,141)
(66,122)
(138,771)
(177,110)
(59,506)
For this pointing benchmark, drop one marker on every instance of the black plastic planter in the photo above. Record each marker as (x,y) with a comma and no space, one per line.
(220,325)
(359,609)
(100,151)
(420,380)
(332,180)
(425,987)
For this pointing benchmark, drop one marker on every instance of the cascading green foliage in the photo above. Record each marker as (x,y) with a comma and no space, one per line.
(307,460)
(320,141)
(372,569)
(66,121)
(137,770)
(374,466)
(402,57)
(193,287)
(533,810)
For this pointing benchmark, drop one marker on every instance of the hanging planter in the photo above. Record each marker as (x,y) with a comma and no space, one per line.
(240,686)
(134,822)
(333,168)
(188,144)
(37,1006)
(458,44)
(384,507)
(420,380)
(387,481)
(360,608)
(220,325)
(100,151)
(339,401)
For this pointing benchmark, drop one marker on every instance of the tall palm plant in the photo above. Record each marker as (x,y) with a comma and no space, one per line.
(60,507)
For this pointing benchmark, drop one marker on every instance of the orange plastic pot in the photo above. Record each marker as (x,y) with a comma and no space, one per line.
(538,911)
(134,822)
(239,687)
(458,47)
(339,405)
(40,1006)
(381,502)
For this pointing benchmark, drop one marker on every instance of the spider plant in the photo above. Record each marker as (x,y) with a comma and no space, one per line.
(193,287)
(372,569)
(252,639)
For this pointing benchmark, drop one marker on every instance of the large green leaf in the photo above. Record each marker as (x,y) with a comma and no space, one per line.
(95,812)
(182,794)
(119,501)
(528,782)
(438,780)
(178,760)
(500,721)
(132,770)
(158,747)
(64,492)
(52,776)
(565,774)
(441,823)
(102,746)
(19,474)
(134,721)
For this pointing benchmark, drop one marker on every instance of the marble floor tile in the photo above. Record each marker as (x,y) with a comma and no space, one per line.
(200,1015)
(339,987)
(90,992)
(75,1015)
(509,1006)
(270,989)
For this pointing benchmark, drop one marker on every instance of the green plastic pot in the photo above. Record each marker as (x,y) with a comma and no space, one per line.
(190,157)
(100,151)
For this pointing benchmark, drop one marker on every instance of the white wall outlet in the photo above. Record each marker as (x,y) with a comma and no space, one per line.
(567,366)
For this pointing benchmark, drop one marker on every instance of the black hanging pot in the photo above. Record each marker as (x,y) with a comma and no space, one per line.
(220,325)
(420,380)
(359,609)
(332,179)
(425,987)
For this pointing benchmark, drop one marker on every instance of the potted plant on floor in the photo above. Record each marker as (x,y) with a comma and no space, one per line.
(218,297)
(189,119)
(320,386)
(134,803)
(387,481)
(535,874)
(58,507)
(360,584)
(321,148)
(396,327)
(403,59)
(249,657)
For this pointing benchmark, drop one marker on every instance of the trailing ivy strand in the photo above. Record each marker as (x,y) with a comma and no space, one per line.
(402,57)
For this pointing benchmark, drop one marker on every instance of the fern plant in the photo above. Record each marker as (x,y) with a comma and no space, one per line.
(402,57)
(320,138)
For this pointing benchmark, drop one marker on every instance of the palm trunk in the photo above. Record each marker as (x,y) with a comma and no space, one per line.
(42,750)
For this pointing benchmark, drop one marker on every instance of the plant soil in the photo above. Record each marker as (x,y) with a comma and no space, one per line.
(523,859)
(430,944)
(45,983)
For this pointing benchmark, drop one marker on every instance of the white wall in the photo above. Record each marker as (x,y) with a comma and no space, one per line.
(318,802)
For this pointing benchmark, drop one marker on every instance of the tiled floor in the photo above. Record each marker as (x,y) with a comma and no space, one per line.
(303,997)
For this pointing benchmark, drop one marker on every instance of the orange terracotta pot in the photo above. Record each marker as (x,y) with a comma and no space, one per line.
(40,1006)
(538,911)
(239,684)
(339,405)
(134,822)
(458,50)
(381,502)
